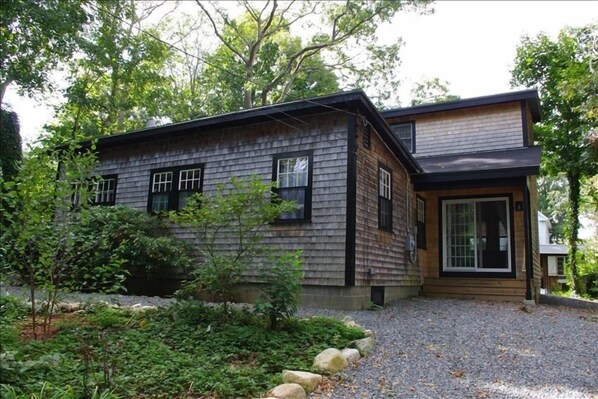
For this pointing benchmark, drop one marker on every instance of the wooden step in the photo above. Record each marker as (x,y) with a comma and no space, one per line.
(490,289)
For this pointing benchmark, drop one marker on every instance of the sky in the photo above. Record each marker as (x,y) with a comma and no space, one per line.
(469,44)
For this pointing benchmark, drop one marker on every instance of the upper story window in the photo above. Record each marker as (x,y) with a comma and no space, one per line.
(421,223)
(170,188)
(105,190)
(406,133)
(384,198)
(293,175)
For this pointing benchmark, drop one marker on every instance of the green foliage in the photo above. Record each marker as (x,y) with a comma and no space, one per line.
(35,36)
(229,228)
(282,290)
(49,391)
(11,309)
(563,73)
(431,91)
(188,350)
(126,240)
(118,84)
(39,246)
(588,269)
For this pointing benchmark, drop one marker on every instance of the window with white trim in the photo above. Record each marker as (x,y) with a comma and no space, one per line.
(105,190)
(405,132)
(384,198)
(170,188)
(560,265)
(476,235)
(292,173)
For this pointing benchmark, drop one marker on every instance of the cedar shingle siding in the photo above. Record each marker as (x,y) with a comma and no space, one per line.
(243,151)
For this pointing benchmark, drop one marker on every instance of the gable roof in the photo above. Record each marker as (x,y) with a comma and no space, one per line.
(529,96)
(349,102)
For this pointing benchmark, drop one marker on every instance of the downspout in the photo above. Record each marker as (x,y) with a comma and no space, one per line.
(529,267)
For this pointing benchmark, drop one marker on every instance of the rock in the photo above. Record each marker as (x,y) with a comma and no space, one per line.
(69,307)
(365,345)
(352,355)
(331,360)
(351,323)
(309,381)
(369,333)
(288,391)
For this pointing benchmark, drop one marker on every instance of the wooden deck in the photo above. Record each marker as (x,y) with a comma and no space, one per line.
(478,288)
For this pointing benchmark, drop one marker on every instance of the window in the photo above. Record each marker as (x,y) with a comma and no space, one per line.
(105,190)
(170,188)
(405,132)
(293,174)
(384,199)
(560,265)
(421,223)
(476,235)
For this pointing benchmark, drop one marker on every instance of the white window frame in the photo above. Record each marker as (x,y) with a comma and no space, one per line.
(385,185)
(105,191)
(475,269)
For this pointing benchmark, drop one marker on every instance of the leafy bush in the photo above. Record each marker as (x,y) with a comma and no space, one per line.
(282,289)
(11,309)
(228,225)
(126,239)
(588,270)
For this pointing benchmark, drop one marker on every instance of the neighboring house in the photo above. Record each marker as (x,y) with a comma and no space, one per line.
(552,257)
(436,196)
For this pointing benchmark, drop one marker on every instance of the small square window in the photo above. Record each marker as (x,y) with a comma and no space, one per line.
(405,132)
(105,190)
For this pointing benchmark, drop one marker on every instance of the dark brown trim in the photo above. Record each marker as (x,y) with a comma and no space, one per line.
(308,190)
(478,183)
(351,212)
(510,274)
(421,227)
(529,266)
(524,124)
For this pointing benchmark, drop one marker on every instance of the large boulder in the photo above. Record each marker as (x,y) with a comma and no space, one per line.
(352,355)
(331,360)
(365,345)
(309,381)
(288,391)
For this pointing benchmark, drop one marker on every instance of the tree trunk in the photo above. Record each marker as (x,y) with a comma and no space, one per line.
(574,195)
(3,87)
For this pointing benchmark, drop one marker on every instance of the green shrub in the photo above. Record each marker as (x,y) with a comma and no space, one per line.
(126,239)
(587,266)
(282,289)
(11,309)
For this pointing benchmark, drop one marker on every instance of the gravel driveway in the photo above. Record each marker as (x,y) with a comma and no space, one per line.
(443,348)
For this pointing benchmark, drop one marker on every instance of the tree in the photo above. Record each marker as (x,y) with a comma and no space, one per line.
(35,36)
(229,227)
(10,148)
(558,68)
(552,201)
(39,246)
(118,84)
(431,91)
(225,88)
(344,31)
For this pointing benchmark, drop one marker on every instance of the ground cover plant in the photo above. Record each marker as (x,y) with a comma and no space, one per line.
(188,350)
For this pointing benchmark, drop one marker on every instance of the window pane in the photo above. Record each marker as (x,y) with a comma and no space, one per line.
(104,191)
(297,195)
(162,182)
(459,232)
(385,188)
(293,172)
(159,202)
(189,179)
(492,235)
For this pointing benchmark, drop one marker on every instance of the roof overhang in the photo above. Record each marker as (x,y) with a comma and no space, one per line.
(554,249)
(479,166)
(528,96)
(350,102)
